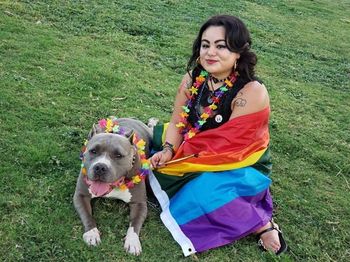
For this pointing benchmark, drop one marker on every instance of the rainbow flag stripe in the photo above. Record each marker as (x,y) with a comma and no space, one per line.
(221,192)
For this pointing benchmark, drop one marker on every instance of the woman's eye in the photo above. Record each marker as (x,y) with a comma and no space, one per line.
(221,46)
(205,46)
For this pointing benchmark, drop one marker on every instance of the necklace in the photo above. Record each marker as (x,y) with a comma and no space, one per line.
(210,90)
(186,129)
(216,80)
(112,126)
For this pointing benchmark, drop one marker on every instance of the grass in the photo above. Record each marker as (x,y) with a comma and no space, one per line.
(66,64)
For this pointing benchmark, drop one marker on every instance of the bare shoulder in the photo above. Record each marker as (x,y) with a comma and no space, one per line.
(185,83)
(182,96)
(183,92)
(255,91)
(253,97)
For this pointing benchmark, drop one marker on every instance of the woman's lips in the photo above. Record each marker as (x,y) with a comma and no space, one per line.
(210,62)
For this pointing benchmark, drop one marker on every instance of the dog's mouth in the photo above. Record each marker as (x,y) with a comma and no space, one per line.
(100,188)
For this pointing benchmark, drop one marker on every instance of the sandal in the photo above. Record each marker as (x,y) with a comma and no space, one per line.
(283,243)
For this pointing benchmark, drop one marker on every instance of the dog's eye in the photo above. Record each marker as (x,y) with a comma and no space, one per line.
(117,155)
(93,151)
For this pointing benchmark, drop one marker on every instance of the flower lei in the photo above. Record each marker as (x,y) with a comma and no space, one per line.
(186,129)
(112,126)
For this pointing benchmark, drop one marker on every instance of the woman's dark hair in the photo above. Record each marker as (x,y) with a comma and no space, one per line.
(237,40)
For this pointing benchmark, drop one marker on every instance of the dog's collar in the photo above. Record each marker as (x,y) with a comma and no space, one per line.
(112,126)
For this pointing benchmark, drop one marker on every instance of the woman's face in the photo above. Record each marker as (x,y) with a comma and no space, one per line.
(215,57)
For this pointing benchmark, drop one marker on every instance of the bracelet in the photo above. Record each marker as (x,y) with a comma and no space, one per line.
(170,147)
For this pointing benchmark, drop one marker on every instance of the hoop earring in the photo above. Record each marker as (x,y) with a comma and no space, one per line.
(198,60)
(235,66)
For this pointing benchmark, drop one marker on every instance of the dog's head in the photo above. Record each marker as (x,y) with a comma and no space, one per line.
(108,157)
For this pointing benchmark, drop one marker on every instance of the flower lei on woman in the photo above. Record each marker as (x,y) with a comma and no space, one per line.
(112,126)
(186,129)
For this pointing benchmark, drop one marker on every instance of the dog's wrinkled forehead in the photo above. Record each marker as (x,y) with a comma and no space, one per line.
(108,142)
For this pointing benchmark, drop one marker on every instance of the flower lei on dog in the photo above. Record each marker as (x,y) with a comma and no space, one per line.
(186,129)
(112,126)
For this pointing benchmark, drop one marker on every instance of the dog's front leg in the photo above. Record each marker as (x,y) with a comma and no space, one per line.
(138,213)
(82,204)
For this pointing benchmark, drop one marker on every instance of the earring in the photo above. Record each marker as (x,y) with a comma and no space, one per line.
(235,66)
(198,60)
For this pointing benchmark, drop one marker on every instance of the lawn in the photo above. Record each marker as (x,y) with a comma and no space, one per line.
(66,64)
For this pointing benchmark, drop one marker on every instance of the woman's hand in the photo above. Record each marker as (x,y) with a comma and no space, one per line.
(160,158)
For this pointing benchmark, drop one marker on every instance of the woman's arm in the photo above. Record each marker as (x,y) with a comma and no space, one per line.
(252,98)
(172,135)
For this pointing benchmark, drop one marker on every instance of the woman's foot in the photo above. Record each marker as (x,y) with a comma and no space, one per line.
(269,237)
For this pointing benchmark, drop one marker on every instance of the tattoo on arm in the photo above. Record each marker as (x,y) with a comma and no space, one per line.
(240,102)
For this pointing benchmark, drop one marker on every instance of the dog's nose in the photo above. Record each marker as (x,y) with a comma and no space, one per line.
(100,169)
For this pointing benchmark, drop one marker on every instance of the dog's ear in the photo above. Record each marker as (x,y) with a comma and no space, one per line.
(96,129)
(130,136)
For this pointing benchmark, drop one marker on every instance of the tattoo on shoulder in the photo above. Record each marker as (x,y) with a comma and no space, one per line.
(240,102)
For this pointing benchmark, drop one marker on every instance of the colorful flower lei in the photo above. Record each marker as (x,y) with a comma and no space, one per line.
(112,126)
(186,129)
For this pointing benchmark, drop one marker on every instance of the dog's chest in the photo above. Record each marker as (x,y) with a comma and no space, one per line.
(124,195)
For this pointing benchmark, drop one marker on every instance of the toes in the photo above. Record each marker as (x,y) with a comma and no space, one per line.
(270,241)
(92,237)
(275,248)
(134,250)
(132,243)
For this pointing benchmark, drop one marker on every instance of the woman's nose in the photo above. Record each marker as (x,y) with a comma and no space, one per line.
(211,50)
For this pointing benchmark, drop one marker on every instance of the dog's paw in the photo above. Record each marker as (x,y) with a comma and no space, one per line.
(132,242)
(92,237)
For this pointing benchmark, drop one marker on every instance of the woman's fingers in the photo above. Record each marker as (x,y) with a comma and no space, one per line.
(160,158)
(155,160)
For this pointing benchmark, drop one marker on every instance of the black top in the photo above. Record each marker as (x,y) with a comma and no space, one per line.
(223,112)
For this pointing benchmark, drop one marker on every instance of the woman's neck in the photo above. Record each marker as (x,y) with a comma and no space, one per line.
(221,76)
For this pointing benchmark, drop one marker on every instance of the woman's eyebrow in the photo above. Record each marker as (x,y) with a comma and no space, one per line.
(217,41)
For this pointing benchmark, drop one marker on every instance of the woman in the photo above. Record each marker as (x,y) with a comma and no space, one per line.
(210,176)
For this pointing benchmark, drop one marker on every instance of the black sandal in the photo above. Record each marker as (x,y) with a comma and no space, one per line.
(283,243)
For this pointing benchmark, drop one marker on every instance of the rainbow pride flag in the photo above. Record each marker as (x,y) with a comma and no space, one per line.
(216,188)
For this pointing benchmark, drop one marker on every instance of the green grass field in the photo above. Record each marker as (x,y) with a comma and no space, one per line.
(66,64)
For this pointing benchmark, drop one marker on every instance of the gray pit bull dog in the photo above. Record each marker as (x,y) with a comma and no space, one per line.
(109,159)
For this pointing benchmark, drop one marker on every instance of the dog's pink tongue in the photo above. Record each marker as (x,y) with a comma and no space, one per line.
(99,188)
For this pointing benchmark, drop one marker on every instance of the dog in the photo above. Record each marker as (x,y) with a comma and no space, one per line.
(110,161)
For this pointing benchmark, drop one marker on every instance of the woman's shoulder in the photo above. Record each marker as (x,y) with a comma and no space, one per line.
(186,83)
(187,77)
(255,88)
(253,97)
